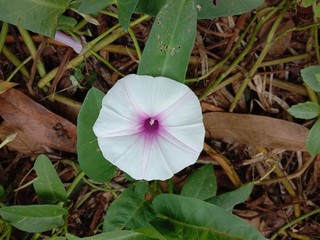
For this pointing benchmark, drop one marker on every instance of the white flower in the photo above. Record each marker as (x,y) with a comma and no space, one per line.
(69,41)
(150,127)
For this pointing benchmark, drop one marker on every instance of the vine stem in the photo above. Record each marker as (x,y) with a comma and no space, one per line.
(282,229)
(95,45)
(211,88)
(33,51)
(283,6)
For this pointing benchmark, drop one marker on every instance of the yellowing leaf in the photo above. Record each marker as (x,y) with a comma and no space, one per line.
(4,85)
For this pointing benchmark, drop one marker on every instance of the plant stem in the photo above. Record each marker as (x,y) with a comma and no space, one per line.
(105,62)
(211,88)
(135,42)
(75,182)
(33,51)
(18,68)
(283,6)
(224,163)
(15,61)
(3,34)
(282,229)
(95,45)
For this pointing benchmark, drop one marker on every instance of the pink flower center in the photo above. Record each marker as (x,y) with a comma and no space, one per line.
(151,125)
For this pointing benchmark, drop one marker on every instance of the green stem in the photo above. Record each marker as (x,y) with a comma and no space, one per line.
(15,61)
(117,33)
(3,34)
(33,51)
(211,88)
(18,68)
(282,229)
(66,101)
(135,42)
(75,182)
(263,53)
(105,62)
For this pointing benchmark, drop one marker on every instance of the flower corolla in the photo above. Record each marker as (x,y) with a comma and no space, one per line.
(150,127)
(69,41)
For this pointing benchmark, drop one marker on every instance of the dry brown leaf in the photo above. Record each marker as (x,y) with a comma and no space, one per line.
(5,85)
(37,122)
(255,130)
(22,143)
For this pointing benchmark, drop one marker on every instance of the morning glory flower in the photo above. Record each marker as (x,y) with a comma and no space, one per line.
(69,41)
(150,127)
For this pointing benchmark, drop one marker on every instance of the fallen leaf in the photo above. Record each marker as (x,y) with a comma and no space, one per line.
(255,130)
(22,142)
(37,122)
(4,85)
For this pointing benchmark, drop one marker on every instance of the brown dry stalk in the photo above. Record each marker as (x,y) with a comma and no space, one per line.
(224,163)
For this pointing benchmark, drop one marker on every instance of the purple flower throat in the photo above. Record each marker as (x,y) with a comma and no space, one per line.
(151,126)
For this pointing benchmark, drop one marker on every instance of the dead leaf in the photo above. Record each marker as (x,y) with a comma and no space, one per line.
(255,130)
(37,122)
(22,143)
(5,85)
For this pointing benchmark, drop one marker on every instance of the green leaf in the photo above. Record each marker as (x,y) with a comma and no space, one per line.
(48,185)
(171,40)
(90,157)
(307,110)
(93,6)
(189,218)
(317,10)
(151,232)
(66,23)
(201,184)
(125,10)
(307,3)
(38,16)
(131,210)
(115,235)
(230,199)
(309,77)
(34,218)
(207,10)
(150,7)
(313,139)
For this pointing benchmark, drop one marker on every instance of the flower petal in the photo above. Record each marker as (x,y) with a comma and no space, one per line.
(121,132)
(69,41)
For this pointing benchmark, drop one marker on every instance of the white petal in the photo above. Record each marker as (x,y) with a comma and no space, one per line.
(154,94)
(178,141)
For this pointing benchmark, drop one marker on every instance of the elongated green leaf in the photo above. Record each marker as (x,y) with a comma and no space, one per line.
(171,40)
(150,7)
(305,110)
(115,235)
(34,218)
(207,10)
(48,185)
(313,139)
(201,184)
(125,10)
(90,157)
(93,6)
(310,77)
(190,218)
(151,232)
(130,210)
(37,16)
(230,199)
